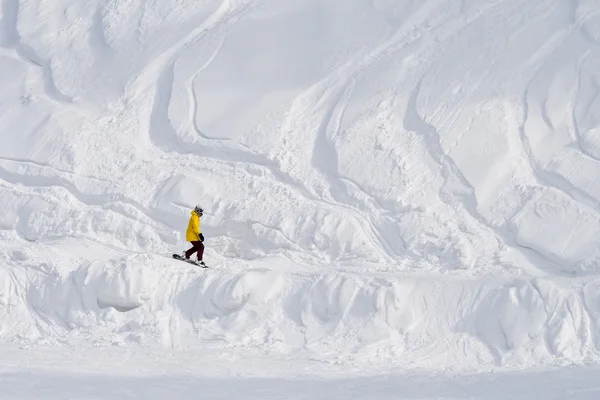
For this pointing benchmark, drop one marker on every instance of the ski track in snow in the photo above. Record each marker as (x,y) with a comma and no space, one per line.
(403,183)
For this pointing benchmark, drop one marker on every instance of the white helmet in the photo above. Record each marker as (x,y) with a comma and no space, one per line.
(198,209)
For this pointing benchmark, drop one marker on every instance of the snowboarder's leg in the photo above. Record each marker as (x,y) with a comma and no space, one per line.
(198,247)
(191,251)
(200,250)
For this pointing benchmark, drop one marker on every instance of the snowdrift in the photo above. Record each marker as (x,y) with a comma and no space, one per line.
(403,181)
(342,317)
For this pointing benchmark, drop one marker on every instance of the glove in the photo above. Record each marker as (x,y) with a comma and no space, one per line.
(201,237)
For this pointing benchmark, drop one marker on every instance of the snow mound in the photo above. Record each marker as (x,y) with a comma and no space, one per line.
(335,316)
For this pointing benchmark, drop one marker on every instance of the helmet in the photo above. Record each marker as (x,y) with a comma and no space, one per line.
(198,209)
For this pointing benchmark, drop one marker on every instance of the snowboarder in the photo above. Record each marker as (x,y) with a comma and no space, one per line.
(194,236)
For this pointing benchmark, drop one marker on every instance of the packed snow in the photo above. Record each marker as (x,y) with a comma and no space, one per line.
(388,185)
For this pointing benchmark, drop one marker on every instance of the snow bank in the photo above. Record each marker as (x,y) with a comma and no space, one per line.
(537,319)
(152,301)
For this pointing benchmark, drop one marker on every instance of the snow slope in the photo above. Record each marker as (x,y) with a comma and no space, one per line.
(403,182)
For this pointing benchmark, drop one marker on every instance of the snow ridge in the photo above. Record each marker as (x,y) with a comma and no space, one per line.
(341,316)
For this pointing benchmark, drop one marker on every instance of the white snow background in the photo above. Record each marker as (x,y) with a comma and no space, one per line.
(395,191)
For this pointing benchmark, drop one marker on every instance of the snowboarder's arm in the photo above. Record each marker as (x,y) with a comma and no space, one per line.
(196,225)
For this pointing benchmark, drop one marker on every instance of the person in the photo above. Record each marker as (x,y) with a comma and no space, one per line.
(194,236)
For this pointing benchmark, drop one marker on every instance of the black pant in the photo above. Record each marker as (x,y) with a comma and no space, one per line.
(198,246)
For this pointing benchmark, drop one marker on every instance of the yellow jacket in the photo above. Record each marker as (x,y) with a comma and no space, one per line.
(193,230)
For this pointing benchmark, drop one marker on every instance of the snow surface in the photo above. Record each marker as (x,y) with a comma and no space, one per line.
(387,183)
(113,374)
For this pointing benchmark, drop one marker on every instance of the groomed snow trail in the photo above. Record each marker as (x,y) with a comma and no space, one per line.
(402,182)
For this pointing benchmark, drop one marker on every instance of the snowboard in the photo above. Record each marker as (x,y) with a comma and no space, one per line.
(178,257)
